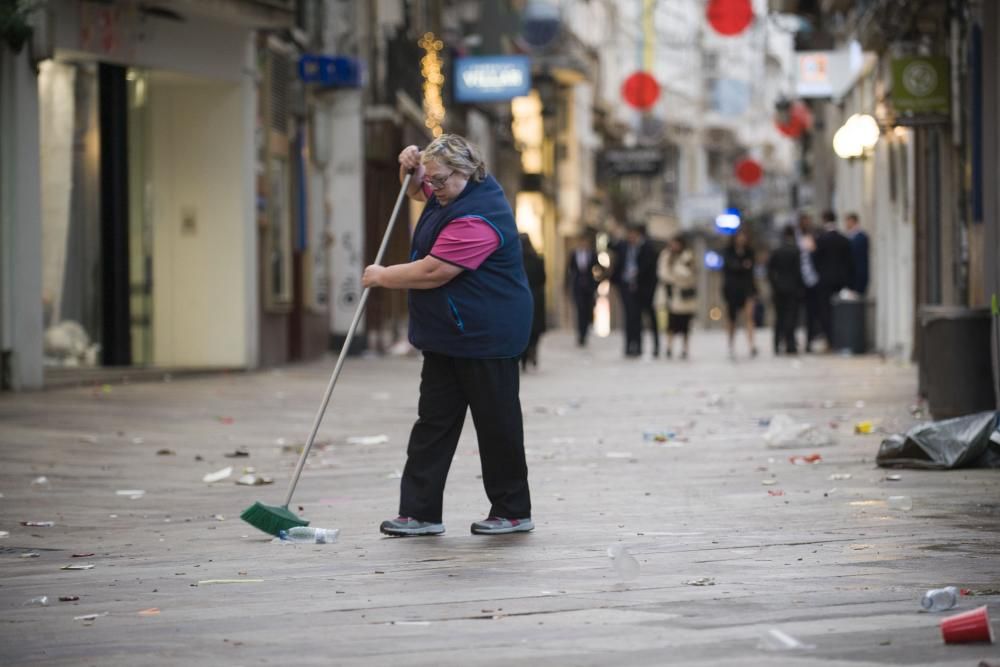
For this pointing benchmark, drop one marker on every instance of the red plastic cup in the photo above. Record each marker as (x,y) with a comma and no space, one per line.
(969,626)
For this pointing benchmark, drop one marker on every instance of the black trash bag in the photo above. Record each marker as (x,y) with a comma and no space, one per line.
(962,442)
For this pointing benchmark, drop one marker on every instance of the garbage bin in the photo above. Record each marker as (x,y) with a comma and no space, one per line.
(955,362)
(849,317)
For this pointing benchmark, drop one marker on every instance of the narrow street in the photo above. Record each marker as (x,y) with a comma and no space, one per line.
(732,539)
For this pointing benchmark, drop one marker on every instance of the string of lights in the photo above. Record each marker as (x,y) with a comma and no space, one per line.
(431,68)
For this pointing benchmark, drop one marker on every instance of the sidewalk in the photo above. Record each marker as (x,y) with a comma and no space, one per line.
(827,562)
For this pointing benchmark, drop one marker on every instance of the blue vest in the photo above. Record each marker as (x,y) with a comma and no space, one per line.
(484,313)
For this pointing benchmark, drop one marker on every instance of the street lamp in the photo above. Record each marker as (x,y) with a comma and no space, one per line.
(857,137)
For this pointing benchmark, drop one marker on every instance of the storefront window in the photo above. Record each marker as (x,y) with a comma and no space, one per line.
(278,251)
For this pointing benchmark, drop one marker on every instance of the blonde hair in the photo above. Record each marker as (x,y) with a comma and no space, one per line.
(457,153)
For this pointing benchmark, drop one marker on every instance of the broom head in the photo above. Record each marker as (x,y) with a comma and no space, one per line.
(271,519)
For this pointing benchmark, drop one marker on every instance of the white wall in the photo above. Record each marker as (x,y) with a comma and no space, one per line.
(56,115)
(346,176)
(20,221)
(198,154)
(198,46)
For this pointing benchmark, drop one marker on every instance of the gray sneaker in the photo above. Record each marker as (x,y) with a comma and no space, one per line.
(495,525)
(404,526)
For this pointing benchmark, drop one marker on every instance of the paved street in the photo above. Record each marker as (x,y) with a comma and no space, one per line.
(826,561)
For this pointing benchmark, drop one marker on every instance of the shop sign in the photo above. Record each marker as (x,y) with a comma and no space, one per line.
(332,71)
(633,161)
(921,87)
(492,78)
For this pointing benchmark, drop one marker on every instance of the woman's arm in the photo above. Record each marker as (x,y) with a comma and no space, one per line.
(426,273)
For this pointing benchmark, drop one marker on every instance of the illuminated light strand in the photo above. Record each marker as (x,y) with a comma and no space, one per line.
(431,68)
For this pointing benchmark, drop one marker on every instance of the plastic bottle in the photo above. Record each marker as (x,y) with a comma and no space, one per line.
(310,535)
(940,599)
(40,601)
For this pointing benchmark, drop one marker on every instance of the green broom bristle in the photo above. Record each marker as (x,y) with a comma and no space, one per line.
(271,519)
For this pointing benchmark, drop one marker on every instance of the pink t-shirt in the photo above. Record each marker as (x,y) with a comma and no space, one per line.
(466,242)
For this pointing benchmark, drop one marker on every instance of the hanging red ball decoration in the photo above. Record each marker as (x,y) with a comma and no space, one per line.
(749,172)
(641,90)
(729,17)
(795,121)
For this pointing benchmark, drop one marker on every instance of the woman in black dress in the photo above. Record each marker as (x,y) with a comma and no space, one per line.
(738,288)
(534,267)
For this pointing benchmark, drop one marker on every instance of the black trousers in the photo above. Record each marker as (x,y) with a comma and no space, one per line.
(813,327)
(584,301)
(825,312)
(786,316)
(448,387)
(647,311)
(633,322)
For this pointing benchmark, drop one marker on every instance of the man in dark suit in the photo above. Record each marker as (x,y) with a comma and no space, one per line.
(635,275)
(835,266)
(582,269)
(784,272)
(859,253)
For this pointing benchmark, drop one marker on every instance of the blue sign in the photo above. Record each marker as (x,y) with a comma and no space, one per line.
(492,78)
(333,71)
(728,222)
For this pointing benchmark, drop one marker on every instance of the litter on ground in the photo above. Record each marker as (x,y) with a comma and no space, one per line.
(218,475)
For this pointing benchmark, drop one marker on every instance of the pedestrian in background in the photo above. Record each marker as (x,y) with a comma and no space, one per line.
(738,288)
(835,266)
(676,270)
(806,237)
(635,275)
(534,268)
(582,269)
(859,253)
(784,273)
(470,315)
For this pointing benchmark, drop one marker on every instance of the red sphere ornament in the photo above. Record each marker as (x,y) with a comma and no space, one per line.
(749,172)
(641,90)
(729,17)
(797,120)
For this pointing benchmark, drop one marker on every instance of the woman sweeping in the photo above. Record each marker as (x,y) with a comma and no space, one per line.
(470,314)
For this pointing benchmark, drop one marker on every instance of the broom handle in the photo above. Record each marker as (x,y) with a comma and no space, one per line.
(343,350)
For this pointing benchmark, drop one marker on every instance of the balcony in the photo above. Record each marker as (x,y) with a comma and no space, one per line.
(272,14)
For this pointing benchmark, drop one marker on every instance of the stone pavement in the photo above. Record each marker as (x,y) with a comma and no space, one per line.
(779,545)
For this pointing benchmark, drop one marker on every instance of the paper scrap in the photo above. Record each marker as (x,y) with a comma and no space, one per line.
(218,475)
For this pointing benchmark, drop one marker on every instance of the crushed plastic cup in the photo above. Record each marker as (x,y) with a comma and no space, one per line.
(940,599)
(785,432)
(901,503)
(624,563)
(776,640)
(41,483)
(40,601)
(969,626)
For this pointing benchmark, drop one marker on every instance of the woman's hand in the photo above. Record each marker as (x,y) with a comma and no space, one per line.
(372,276)
(409,158)
(409,163)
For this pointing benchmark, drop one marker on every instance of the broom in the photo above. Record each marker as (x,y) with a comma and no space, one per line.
(273,519)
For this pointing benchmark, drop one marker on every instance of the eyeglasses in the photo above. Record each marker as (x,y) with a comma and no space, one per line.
(437,182)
